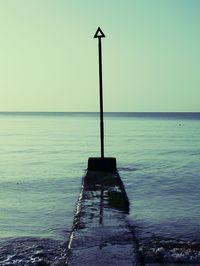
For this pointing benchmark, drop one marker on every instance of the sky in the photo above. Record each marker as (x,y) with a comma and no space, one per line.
(49,58)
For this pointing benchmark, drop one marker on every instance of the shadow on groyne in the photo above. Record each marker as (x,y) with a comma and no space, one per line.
(101,233)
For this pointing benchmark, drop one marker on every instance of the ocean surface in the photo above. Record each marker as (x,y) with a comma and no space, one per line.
(43,157)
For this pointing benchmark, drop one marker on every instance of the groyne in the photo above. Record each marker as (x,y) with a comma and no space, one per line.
(101,233)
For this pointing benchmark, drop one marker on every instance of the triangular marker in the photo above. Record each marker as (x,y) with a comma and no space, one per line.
(99,33)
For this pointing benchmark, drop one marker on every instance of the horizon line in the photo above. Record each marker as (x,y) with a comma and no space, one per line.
(98,112)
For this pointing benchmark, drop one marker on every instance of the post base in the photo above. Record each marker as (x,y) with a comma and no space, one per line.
(106,164)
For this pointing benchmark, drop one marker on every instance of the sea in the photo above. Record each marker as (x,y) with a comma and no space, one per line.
(43,157)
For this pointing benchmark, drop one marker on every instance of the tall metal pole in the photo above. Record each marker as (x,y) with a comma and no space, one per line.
(99,34)
(101,99)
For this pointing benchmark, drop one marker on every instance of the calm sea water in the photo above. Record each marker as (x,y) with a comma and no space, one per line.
(43,157)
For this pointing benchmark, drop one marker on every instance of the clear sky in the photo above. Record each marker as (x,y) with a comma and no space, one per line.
(151,55)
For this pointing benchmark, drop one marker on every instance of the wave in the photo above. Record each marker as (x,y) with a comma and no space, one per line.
(40,251)
(161,250)
(32,251)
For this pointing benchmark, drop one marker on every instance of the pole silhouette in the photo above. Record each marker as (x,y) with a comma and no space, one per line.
(99,34)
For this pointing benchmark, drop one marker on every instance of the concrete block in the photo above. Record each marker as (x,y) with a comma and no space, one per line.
(106,164)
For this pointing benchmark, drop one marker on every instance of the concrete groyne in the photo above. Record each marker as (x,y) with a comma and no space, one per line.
(101,233)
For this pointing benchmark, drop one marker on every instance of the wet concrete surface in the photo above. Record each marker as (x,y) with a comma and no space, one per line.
(101,233)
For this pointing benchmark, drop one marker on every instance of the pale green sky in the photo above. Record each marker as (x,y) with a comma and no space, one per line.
(151,55)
